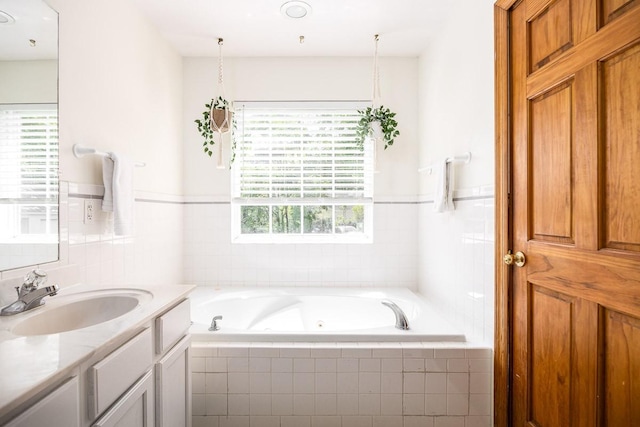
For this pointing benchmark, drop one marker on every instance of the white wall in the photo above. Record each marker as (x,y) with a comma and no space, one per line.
(120,90)
(293,79)
(456,115)
(28,81)
(210,258)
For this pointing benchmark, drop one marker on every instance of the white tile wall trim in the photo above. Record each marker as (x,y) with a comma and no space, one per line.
(341,384)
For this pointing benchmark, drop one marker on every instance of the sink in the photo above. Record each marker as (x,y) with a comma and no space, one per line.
(80,310)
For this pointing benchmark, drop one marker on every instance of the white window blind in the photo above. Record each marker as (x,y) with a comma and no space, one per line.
(296,155)
(29,167)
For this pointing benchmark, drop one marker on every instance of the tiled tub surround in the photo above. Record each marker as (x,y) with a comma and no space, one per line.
(341,385)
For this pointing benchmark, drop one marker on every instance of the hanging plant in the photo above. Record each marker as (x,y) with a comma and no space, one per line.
(216,119)
(382,116)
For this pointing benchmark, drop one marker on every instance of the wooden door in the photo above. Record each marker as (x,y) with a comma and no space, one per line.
(574,200)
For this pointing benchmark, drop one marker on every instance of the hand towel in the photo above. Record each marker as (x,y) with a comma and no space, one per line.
(107,179)
(443,200)
(118,192)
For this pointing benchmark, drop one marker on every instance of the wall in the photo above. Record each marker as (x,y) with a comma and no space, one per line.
(456,115)
(28,81)
(391,260)
(120,90)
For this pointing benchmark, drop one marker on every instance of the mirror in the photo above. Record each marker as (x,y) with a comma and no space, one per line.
(28,133)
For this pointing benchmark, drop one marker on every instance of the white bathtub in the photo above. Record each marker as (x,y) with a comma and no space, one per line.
(314,314)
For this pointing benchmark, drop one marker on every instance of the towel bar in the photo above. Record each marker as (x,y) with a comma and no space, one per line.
(81,151)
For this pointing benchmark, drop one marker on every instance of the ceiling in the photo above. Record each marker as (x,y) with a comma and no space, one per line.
(332,28)
(28,30)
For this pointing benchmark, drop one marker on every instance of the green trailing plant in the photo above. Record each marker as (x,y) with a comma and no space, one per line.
(382,115)
(204,125)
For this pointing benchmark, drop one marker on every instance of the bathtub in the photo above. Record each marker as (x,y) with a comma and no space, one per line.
(314,315)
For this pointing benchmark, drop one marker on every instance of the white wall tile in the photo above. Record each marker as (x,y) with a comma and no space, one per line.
(391,382)
(326,382)
(457,383)
(413,404)
(435,404)
(347,382)
(303,404)
(391,404)
(295,421)
(238,404)
(281,382)
(347,404)
(216,404)
(413,382)
(435,383)
(282,404)
(260,382)
(238,382)
(216,383)
(369,404)
(326,404)
(264,421)
(369,382)
(260,404)
(457,404)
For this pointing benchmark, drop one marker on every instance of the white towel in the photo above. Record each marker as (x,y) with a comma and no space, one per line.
(117,175)
(443,200)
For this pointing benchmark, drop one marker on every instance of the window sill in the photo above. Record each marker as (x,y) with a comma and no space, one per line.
(358,239)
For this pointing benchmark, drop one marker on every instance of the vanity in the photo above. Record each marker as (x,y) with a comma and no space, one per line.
(96,357)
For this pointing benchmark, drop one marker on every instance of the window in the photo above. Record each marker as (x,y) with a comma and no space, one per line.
(298,174)
(28,172)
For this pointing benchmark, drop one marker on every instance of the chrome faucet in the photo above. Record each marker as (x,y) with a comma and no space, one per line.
(401,319)
(214,323)
(29,294)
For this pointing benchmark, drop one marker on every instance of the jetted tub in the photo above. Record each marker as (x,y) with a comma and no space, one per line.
(314,314)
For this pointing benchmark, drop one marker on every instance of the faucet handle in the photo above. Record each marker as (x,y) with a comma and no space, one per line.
(34,279)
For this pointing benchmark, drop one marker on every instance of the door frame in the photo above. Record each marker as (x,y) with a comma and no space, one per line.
(502,308)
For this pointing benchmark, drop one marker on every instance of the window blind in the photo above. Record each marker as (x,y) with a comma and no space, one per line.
(29,153)
(306,153)
(28,170)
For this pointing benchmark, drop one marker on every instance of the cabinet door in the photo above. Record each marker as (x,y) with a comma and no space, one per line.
(173,387)
(61,407)
(134,408)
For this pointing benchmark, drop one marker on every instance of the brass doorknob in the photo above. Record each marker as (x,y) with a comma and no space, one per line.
(518,259)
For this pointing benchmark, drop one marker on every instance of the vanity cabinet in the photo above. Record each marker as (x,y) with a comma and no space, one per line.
(173,386)
(144,381)
(61,407)
(134,409)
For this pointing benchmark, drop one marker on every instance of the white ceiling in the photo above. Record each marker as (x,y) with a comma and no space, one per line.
(31,20)
(334,27)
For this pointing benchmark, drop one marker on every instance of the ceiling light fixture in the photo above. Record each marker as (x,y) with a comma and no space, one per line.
(295,9)
(5,18)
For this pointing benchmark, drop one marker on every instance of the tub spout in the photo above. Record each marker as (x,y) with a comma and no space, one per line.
(401,319)
(214,323)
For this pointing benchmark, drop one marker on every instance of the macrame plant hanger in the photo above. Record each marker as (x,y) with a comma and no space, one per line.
(220,118)
(376,131)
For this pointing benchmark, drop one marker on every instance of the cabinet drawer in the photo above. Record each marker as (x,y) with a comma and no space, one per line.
(59,408)
(171,326)
(114,374)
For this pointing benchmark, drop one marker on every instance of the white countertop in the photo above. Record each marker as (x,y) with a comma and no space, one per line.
(30,364)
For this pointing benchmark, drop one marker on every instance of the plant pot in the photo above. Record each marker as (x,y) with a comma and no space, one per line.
(375,131)
(221,120)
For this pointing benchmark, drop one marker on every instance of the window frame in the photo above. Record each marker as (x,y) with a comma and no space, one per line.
(365,200)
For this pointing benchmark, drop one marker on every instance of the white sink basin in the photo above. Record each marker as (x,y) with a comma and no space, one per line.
(81,310)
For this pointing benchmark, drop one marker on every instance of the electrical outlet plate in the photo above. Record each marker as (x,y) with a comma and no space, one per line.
(89,210)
